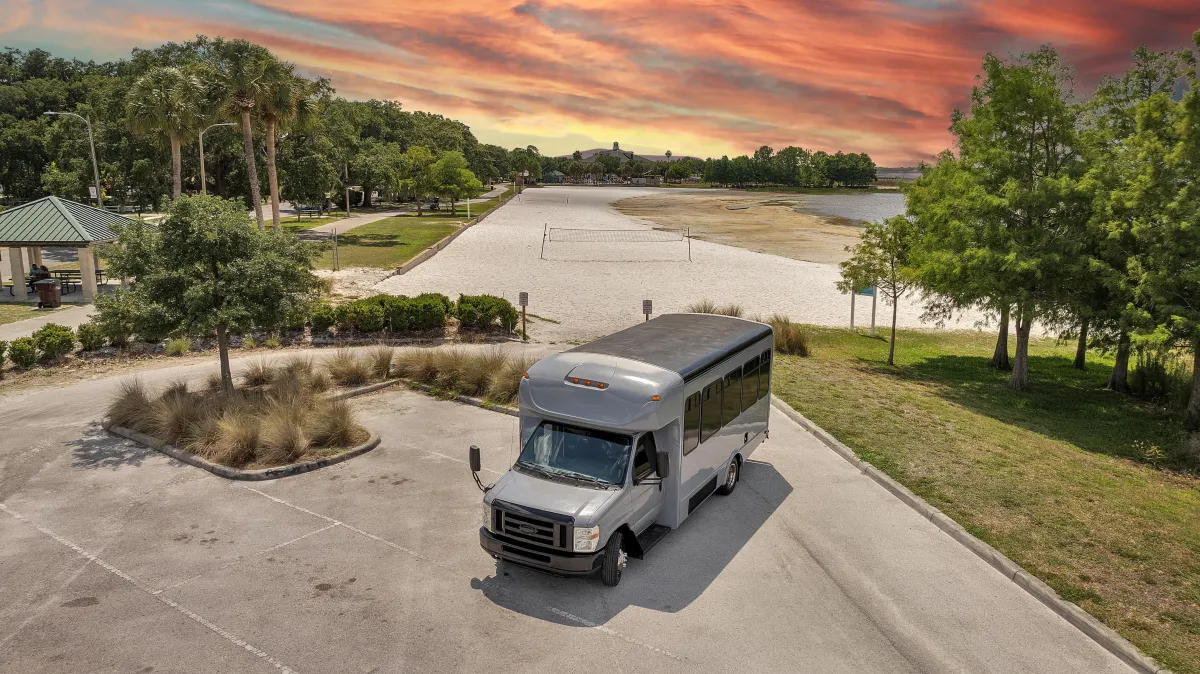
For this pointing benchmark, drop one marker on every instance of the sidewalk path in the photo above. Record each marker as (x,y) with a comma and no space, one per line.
(72,317)
(342,226)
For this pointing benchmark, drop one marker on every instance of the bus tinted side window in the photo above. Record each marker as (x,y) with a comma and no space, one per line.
(733,396)
(764,374)
(710,411)
(749,383)
(691,423)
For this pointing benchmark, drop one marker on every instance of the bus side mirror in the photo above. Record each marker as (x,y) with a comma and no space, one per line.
(473,459)
(664,465)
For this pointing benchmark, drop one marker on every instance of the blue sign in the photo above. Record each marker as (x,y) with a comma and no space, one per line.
(869,292)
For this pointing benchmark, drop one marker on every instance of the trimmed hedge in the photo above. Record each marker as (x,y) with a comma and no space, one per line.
(53,341)
(397,313)
(323,317)
(23,352)
(486,312)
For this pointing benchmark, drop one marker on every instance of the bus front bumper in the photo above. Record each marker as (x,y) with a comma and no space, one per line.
(538,558)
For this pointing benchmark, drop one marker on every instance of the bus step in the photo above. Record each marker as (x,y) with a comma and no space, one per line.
(650,537)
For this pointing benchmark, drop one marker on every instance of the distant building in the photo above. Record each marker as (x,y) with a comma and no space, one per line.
(623,155)
(553,177)
(649,179)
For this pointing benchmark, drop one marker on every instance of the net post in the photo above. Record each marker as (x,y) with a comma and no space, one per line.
(545,229)
(689,238)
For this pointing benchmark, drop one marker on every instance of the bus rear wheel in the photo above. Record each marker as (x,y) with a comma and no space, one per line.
(731,478)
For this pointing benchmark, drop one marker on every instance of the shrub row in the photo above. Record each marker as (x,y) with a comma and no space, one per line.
(429,311)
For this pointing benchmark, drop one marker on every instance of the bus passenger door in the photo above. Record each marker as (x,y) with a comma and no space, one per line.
(647,489)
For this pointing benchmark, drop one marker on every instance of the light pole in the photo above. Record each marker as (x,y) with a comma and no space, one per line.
(203,180)
(92,143)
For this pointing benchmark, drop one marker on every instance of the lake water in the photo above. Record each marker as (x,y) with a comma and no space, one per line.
(862,207)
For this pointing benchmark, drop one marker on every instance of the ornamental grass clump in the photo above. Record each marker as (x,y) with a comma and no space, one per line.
(347,368)
(380,358)
(790,338)
(284,421)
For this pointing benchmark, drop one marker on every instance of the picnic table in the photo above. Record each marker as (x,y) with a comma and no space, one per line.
(72,280)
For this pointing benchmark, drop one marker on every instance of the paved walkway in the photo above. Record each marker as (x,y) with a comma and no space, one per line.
(353,221)
(71,317)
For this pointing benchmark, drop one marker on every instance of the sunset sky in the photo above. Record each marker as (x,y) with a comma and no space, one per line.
(698,77)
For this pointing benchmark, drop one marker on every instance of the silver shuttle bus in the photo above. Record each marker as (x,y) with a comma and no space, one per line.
(624,437)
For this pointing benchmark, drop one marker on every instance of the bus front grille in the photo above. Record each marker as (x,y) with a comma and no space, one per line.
(532,529)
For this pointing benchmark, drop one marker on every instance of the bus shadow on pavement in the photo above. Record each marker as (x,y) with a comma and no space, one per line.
(673,575)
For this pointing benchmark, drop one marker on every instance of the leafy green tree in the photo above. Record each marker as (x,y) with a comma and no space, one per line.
(206,269)
(453,180)
(417,179)
(1012,217)
(171,101)
(378,166)
(880,260)
(62,183)
(1165,197)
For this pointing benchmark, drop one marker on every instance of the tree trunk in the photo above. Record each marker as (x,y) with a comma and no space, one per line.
(1081,348)
(346,169)
(892,343)
(1119,379)
(272,176)
(251,166)
(419,204)
(453,208)
(1000,356)
(223,352)
(1191,418)
(366,196)
(1020,374)
(176,168)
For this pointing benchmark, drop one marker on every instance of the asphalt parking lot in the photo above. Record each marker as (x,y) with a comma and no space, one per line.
(118,559)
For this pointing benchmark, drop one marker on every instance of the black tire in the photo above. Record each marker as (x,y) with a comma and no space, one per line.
(732,475)
(610,571)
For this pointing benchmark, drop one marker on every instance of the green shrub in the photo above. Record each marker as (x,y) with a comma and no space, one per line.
(178,346)
(271,342)
(3,355)
(53,341)
(248,342)
(486,312)
(23,352)
(423,312)
(91,336)
(362,316)
(322,318)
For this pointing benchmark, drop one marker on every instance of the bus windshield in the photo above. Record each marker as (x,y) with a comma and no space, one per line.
(580,453)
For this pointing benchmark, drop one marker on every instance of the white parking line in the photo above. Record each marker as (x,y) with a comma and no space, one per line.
(583,622)
(228,636)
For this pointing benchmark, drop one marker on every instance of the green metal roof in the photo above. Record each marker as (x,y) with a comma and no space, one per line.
(51,220)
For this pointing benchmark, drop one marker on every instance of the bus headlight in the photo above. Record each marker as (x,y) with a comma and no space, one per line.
(586,539)
(487,517)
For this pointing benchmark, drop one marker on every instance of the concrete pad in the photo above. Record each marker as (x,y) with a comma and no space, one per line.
(101,623)
(340,601)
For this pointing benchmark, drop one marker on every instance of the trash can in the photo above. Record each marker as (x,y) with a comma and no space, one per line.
(49,293)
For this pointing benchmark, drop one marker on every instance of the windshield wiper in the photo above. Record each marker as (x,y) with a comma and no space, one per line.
(583,477)
(535,468)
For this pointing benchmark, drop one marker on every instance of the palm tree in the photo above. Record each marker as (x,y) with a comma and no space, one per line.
(668,156)
(242,76)
(287,97)
(170,100)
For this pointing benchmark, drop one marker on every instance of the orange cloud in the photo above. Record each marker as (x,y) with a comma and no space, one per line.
(695,76)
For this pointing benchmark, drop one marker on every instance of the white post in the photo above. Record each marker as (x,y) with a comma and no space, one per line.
(468,208)
(16,262)
(87,273)
(874,294)
(852,294)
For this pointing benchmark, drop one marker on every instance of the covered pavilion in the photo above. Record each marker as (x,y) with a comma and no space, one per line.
(55,222)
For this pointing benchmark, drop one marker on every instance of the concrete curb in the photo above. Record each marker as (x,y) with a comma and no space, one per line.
(433,250)
(1097,631)
(468,400)
(363,390)
(234,473)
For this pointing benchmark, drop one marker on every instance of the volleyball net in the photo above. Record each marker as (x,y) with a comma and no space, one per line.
(616,245)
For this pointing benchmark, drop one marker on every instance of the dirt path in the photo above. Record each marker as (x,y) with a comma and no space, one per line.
(762,222)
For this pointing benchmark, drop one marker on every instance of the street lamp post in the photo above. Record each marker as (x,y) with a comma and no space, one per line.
(92,143)
(203,180)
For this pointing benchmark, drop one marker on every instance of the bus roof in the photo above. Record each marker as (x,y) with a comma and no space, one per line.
(687,344)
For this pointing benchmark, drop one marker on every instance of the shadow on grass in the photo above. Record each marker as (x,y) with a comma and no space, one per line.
(1063,403)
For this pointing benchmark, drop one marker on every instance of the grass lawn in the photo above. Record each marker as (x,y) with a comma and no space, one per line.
(387,243)
(292,225)
(11,312)
(1044,476)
